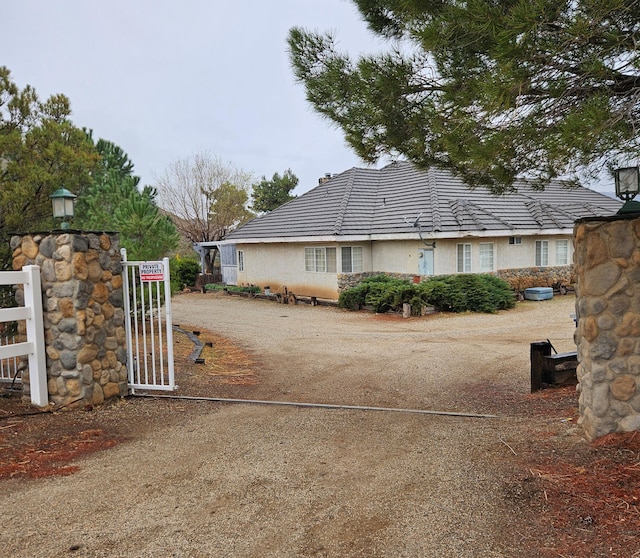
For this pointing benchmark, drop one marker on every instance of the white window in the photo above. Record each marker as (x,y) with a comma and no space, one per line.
(562,252)
(516,240)
(486,256)
(351,259)
(332,266)
(320,260)
(464,258)
(240,260)
(542,253)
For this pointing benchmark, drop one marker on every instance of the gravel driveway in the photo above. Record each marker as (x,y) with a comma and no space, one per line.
(247,480)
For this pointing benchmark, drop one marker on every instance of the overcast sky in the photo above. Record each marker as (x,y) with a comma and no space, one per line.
(164,79)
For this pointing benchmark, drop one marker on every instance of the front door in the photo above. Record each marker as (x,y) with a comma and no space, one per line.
(425,262)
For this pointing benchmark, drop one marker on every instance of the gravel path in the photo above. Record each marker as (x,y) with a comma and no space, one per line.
(252,481)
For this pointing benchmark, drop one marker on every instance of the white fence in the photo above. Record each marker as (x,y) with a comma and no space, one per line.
(9,371)
(34,346)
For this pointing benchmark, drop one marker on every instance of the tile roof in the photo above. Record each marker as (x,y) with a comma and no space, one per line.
(388,200)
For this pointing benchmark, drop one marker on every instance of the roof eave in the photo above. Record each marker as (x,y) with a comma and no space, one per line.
(394,236)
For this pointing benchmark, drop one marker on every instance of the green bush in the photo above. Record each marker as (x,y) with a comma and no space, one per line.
(379,291)
(450,293)
(353,299)
(183,272)
(381,278)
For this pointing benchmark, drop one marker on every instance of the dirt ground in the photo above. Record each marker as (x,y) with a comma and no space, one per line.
(174,477)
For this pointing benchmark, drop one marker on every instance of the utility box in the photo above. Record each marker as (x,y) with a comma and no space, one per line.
(538,293)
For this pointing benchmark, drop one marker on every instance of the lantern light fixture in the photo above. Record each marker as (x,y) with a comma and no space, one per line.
(63,202)
(627,183)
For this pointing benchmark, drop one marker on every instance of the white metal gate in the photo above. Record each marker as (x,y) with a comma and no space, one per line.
(147,305)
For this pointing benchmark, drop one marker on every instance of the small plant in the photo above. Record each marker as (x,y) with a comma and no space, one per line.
(233,288)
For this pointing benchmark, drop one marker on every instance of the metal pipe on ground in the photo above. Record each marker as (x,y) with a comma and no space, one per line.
(315,405)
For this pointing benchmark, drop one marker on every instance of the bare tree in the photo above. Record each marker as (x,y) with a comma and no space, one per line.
(190,191)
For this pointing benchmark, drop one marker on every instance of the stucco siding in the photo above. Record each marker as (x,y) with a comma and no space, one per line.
(395,256)
(403,256)
(283,265)
(280,265)
(513,256)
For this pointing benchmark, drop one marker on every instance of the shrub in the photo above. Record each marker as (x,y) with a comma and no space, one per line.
(379,291)
(469,293)
(184,271)
(500,292)
(381,278)
(451,293)
(353,299)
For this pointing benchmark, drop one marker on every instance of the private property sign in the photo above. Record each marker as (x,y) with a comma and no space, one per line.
(152,271)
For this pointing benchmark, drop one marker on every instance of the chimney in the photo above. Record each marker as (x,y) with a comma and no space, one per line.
(325,178)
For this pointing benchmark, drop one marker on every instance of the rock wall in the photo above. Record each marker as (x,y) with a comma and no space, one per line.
(523,278)
(83,313)
(607,266)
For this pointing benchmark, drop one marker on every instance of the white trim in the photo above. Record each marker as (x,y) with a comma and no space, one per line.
(347,239)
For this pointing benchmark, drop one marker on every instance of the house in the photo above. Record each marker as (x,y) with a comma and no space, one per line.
(411,223)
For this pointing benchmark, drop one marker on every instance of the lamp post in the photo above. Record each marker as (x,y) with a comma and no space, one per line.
(63,201)
(627,187)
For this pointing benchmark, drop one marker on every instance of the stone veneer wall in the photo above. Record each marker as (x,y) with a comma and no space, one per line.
(523,278)
(607,266)
(83,313)
(519,279)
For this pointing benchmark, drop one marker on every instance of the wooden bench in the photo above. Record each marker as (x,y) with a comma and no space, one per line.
(552,369)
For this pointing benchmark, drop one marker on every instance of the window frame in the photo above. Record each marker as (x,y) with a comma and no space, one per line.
(463,255)
(541,256)
(240,260)
(562,242)
(482,257)
(355,262)
(320,259)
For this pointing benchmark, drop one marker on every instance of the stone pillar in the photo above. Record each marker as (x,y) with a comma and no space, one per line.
(83,313)
(607,267)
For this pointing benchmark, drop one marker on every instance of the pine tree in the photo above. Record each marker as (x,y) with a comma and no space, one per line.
(114,202)
(40,151)
(267,195)
(146,233)
(492,90)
